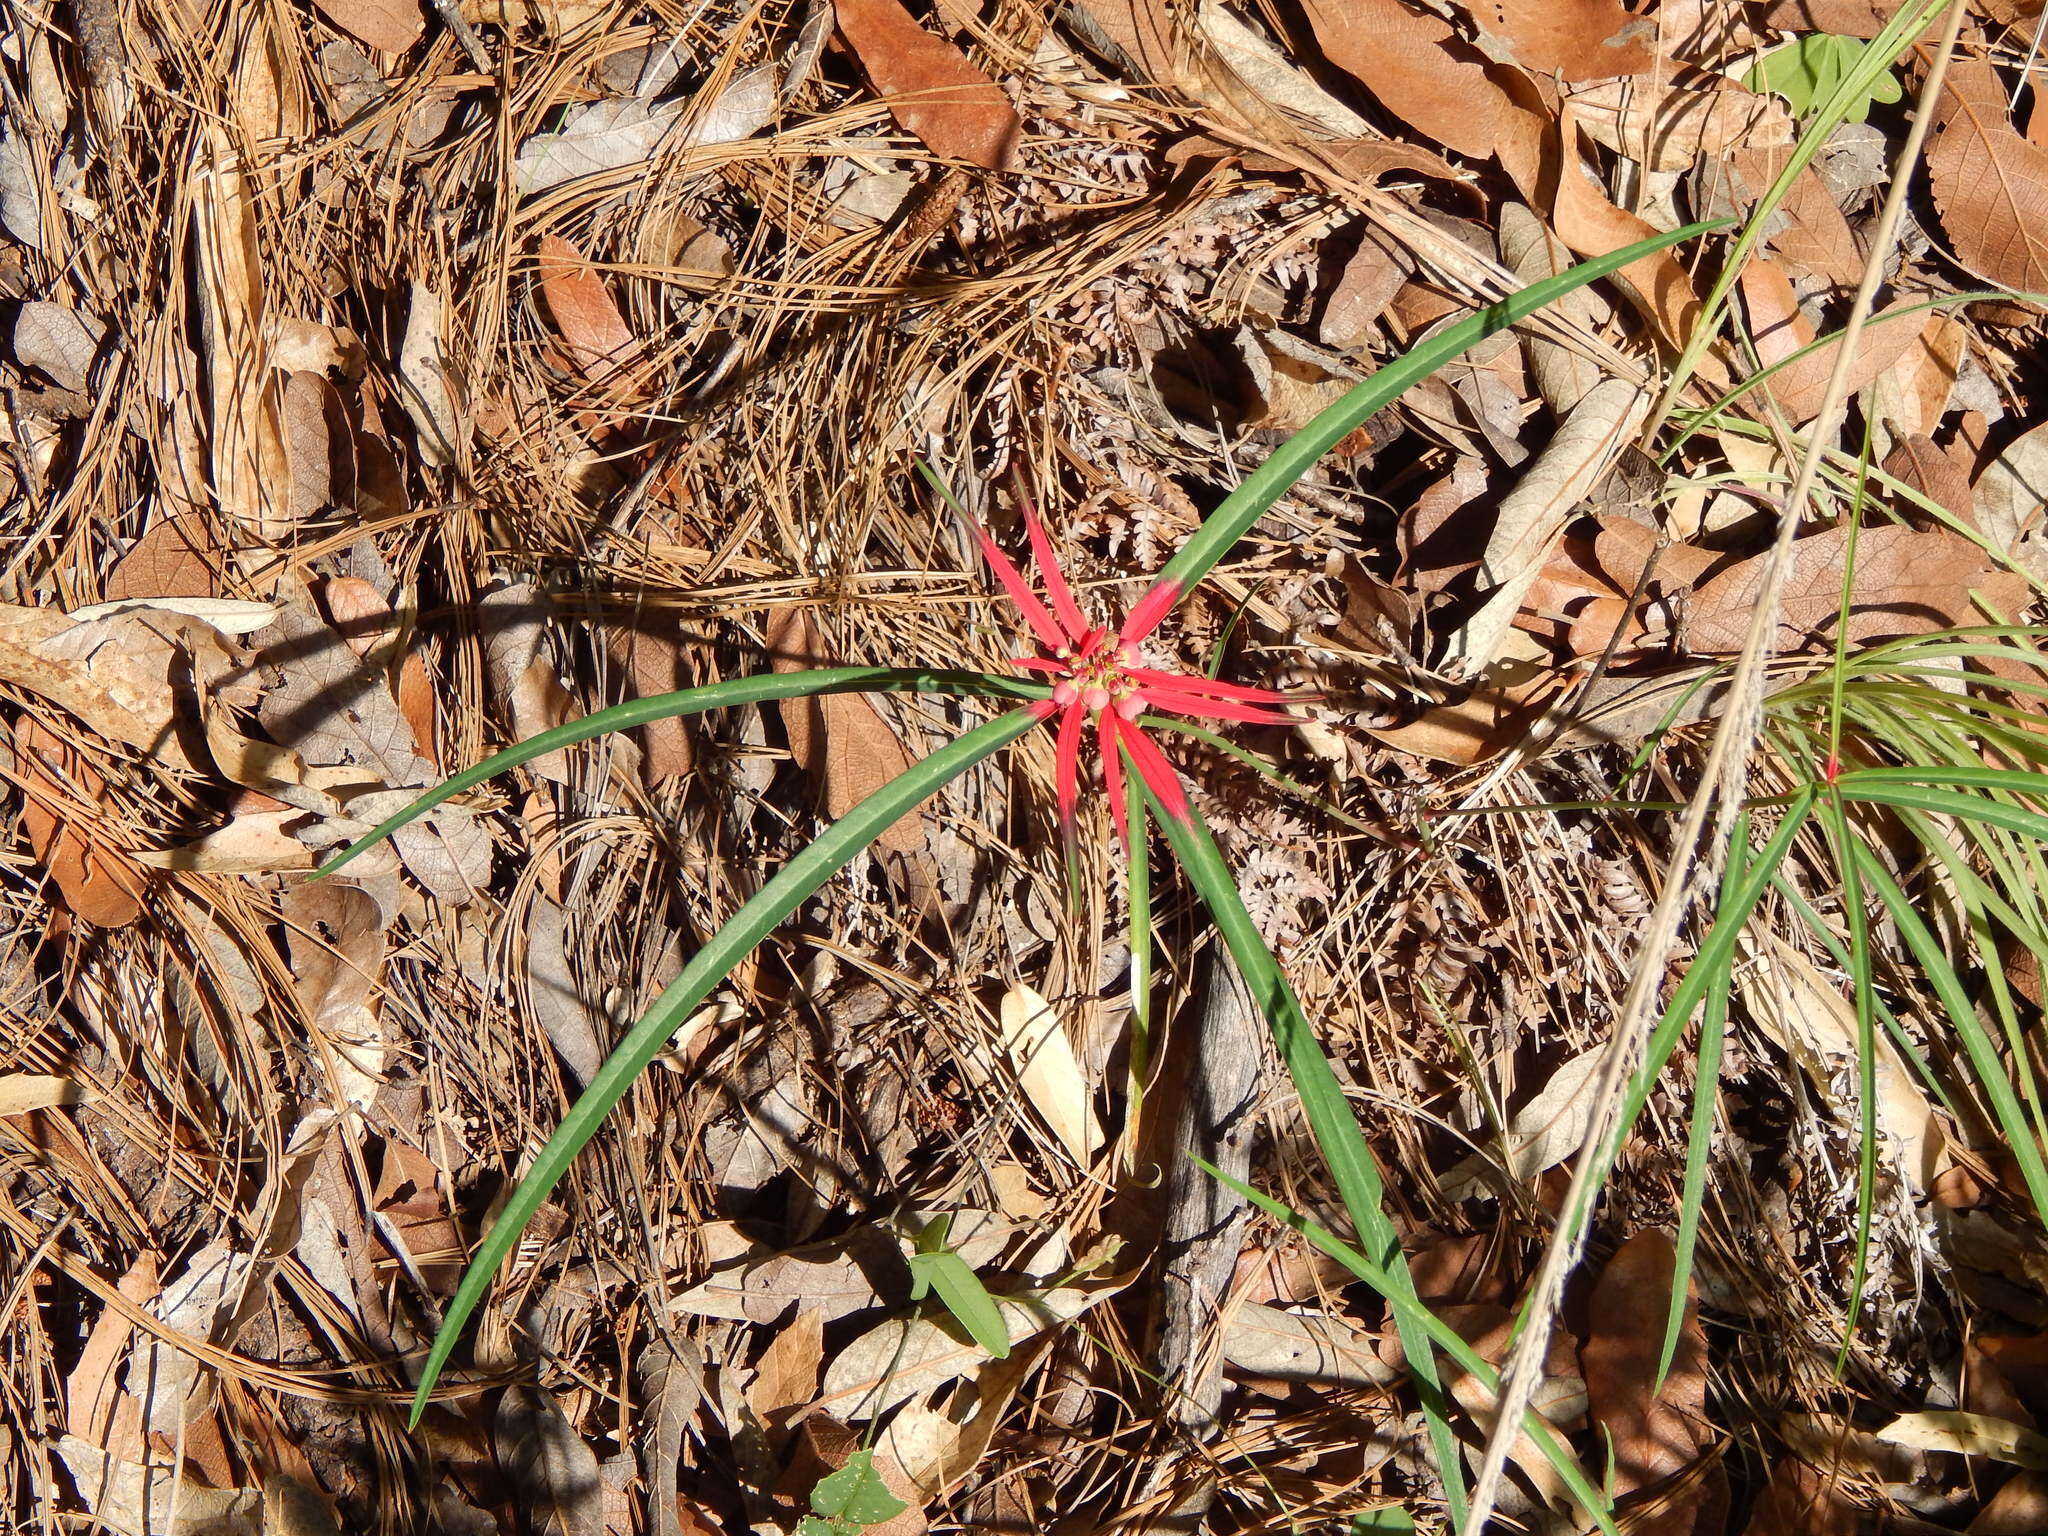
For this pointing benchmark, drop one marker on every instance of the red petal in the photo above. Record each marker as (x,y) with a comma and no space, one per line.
(1063,605)
(1106,725)
(1213,709)
(1067,767)
(1152,608)
(1157,773)
(1193,683)
(1027,602)
(1041,664)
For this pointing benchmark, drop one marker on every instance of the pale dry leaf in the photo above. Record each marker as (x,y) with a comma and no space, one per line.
(1914,396)
(305,346)
(627,131)
(2008,498)
(671,1384)
(907,1358)
(1532,515)
(21,1092)
(1049,1072)
(601,344)
(1781,330)
(929,86)
(201,1303)
(1370,278)
(1906,583)
(21,190)
(230,616)
(428,381)
(1541,1134)
(57,339)
(1814,1024)
(1653,1431)
(832,1278)
(539,703)
(1571,39)
(555,996)
(554,1471)
(2019,1508)
(1563,374)
(1669,125)
(93,1388)
(390,26)
(1264,1341)
(1281,96)
(253,842)
(1969,1434)
(936,1451)
(1990,184)
(133,1497)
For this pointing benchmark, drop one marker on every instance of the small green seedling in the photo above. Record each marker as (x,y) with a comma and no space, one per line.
(935,1267)
(1809,69)
(851,1498)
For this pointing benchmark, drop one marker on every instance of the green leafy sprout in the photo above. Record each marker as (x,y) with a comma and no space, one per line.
(1809,70)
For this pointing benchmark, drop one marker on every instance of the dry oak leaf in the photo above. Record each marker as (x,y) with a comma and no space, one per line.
(1807,229)
(63,796)
(389,26)
(1425,74)
(602,345)
(929,86)
(1654,1430)
(1781,330)
(1990,184)
(1669,126)
(1906,583)
(175,557)
(1572,39)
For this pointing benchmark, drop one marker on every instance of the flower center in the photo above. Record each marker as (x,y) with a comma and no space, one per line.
(1096,676)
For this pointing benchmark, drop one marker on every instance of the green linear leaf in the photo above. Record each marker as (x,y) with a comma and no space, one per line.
(1336,1129)
(961,1293)
(1244,506)
(1945,802)
(691,701)
(782,895)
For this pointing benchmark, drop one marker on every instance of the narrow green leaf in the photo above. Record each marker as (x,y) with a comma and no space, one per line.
(857,1493)
(791,886)
(1336,1129)
(962,1294)
(1837,818)
(1244,506)
(1947,802)
(691,701)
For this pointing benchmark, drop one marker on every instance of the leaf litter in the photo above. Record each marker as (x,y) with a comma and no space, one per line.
(309,508)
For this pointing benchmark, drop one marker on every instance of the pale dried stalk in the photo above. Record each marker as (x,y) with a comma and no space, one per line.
(1721,782)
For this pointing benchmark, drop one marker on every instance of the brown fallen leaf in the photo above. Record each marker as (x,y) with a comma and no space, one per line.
(600,342)
(1420,70)
(1915,394)
(1907,583)
(1808,229)
(2020,1508)
(319,446)
(175,557)
(1670,125)
(1990,184)
(1654,1431)
(1572,39)
(62,813)
(831,1279)
(1940,474)
(840,739)
(553,1468)
(1800,385)
(929,86)
(390,26)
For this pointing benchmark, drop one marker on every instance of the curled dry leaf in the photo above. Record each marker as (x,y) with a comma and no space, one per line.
(58,340)
(1669,126)
(1969,1434)
(1532,253)
(1541,1134)
(1800,385)
(1571,39)
(2007,500)
(833,1278)
(1990,184)
(428,382)
(627,131)
(929,85)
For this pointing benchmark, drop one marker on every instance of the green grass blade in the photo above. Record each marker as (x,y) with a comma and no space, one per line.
(1699,1138)
(782,895)
(1947,802)
(691,701)
(1244,506)
(1955,1000)
(1439,1332)
(1837,818)
(1330,1118)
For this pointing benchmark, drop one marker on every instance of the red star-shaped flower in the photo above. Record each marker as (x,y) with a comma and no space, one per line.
(1098,674)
